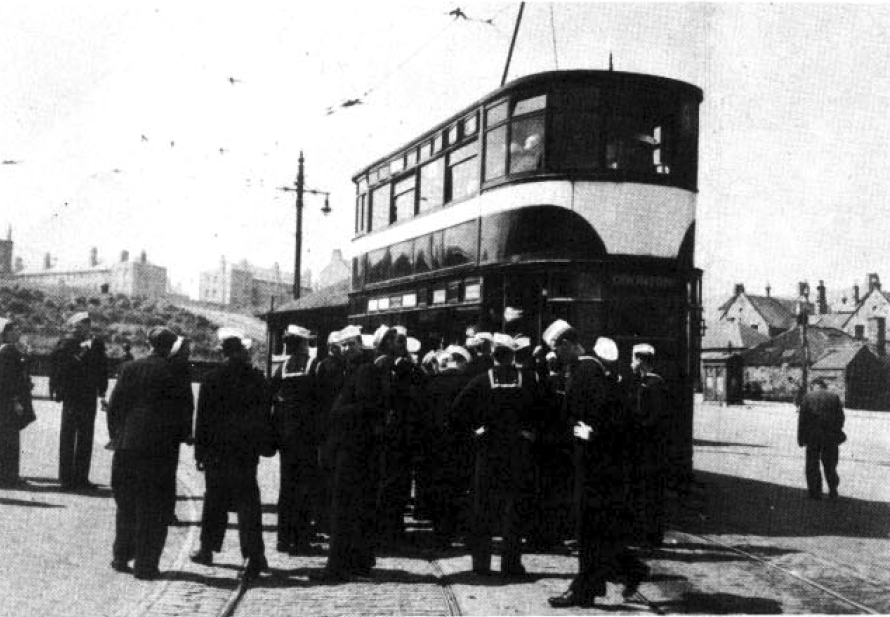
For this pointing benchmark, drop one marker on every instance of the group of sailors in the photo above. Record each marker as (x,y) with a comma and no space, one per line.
(498,437)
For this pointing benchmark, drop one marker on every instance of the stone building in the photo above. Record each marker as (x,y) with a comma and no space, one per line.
(337,270)
(244,285)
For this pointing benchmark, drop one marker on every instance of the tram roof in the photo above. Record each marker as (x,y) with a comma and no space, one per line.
(580,75)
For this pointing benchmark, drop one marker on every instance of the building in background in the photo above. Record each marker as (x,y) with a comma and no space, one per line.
(336,271)
(131,278)
(244,285)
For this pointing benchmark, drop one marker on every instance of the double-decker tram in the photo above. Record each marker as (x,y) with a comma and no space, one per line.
(567,194)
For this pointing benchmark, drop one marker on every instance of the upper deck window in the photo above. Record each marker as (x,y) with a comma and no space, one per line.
(432,185)
(380,207)
(463,173)
(470,125)
(403,199)
(397,165)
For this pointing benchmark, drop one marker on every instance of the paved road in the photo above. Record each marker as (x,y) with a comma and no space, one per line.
(748,541)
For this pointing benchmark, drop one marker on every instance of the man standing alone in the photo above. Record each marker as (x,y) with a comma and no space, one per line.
(820,430)
(79,375)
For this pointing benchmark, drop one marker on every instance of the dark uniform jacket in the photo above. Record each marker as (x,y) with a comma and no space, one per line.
(234,419)
(295,407)
(16,409)
(145,411)
(79,373)
(330,375)
(358,413)
(821,419)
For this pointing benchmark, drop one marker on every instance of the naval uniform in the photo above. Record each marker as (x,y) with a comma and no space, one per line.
(293,388)
(16,410)
(498,406)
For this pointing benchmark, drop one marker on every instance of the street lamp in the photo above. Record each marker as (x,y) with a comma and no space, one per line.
(299,188)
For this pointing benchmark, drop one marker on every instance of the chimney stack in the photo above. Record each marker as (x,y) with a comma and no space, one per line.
(143,257)
(739,289)
(47,261)
(803,289)
(94,257)
(823,302)
(856,297)
(768,290)
(874,282)
(125,256)
(19,264)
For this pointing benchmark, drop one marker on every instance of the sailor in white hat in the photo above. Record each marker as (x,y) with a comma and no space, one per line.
(588,401)
(498,405)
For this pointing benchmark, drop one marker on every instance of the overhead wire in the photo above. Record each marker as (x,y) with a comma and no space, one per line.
(553,36)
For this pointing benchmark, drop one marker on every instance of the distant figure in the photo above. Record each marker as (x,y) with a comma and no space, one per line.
(16,410)
(79,375)
(820,429)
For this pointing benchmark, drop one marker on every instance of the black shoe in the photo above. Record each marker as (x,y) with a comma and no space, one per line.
(147,575)
(632,586)
(833,495)
(362,575)
(569,599)
(254,568)
(816,496)
(120,566)
(88,486)
(514,571)
(203,557)
(329,576)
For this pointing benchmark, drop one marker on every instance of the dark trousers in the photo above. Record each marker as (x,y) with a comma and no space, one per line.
(298,494)
(490,513)
(170,509)
(76,442)
(10,447)
(828,455)
(352,510)
(394,490)
(141,486)
(602,555)
(232,484)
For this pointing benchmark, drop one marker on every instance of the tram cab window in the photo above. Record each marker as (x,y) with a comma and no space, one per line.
(432,185)
(527,145)
(378,268)
(402,259)
(460,244)
(496,141)
(423,254)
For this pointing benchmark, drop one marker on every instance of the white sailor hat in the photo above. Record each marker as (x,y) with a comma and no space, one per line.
(333,338)
(443,358)
(522,342)
(551,356)
(413,345)
(379,334)
(429,357)
(225,333)
(453,350)
(503,340)
(368,341)
(512,314)
(3,323)
(299,331)
(401,330)
(77,318)
(606,349)
(349,332)
(554,331)
(643,348)
(177,345)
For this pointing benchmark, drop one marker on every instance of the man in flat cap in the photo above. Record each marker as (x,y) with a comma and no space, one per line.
(648,402)
(588,401)
(79,375)
(498,408)
(294,413)
(233,428)
(145,426)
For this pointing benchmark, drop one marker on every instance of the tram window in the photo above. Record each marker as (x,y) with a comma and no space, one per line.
(463,173)
(402,259)
(527,106)
(378,268)
(496,153)
(470,125)
(438,143)
(527,144)
(460,244)
(411,158)
(397,165)
(432,185)
(576,140)
(438,251)
(403,202)
(495,114)
(423,258)
(380,207)
(358,272)
(452,135)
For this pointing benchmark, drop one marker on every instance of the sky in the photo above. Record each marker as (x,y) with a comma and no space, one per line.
(170,127)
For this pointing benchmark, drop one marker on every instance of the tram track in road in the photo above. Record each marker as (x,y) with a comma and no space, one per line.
(834,575)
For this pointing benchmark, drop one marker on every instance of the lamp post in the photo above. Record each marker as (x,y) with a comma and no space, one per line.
(299,188)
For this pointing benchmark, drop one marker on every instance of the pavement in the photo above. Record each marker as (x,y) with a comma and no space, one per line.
(745,539)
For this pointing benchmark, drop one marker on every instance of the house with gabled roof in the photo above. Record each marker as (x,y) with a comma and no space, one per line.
(868,320)
(769,315)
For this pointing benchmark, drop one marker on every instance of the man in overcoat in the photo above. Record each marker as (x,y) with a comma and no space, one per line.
(820,431)
(79,376)
(145,426)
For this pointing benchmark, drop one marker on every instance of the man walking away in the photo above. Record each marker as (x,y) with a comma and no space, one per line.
(144,423)
(233,429)
(820,430)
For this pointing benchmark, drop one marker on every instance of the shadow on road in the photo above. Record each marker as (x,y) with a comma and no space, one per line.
(6,501)
(730,504)
(724,444)
(217,582)
(720,604)
(51,485)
